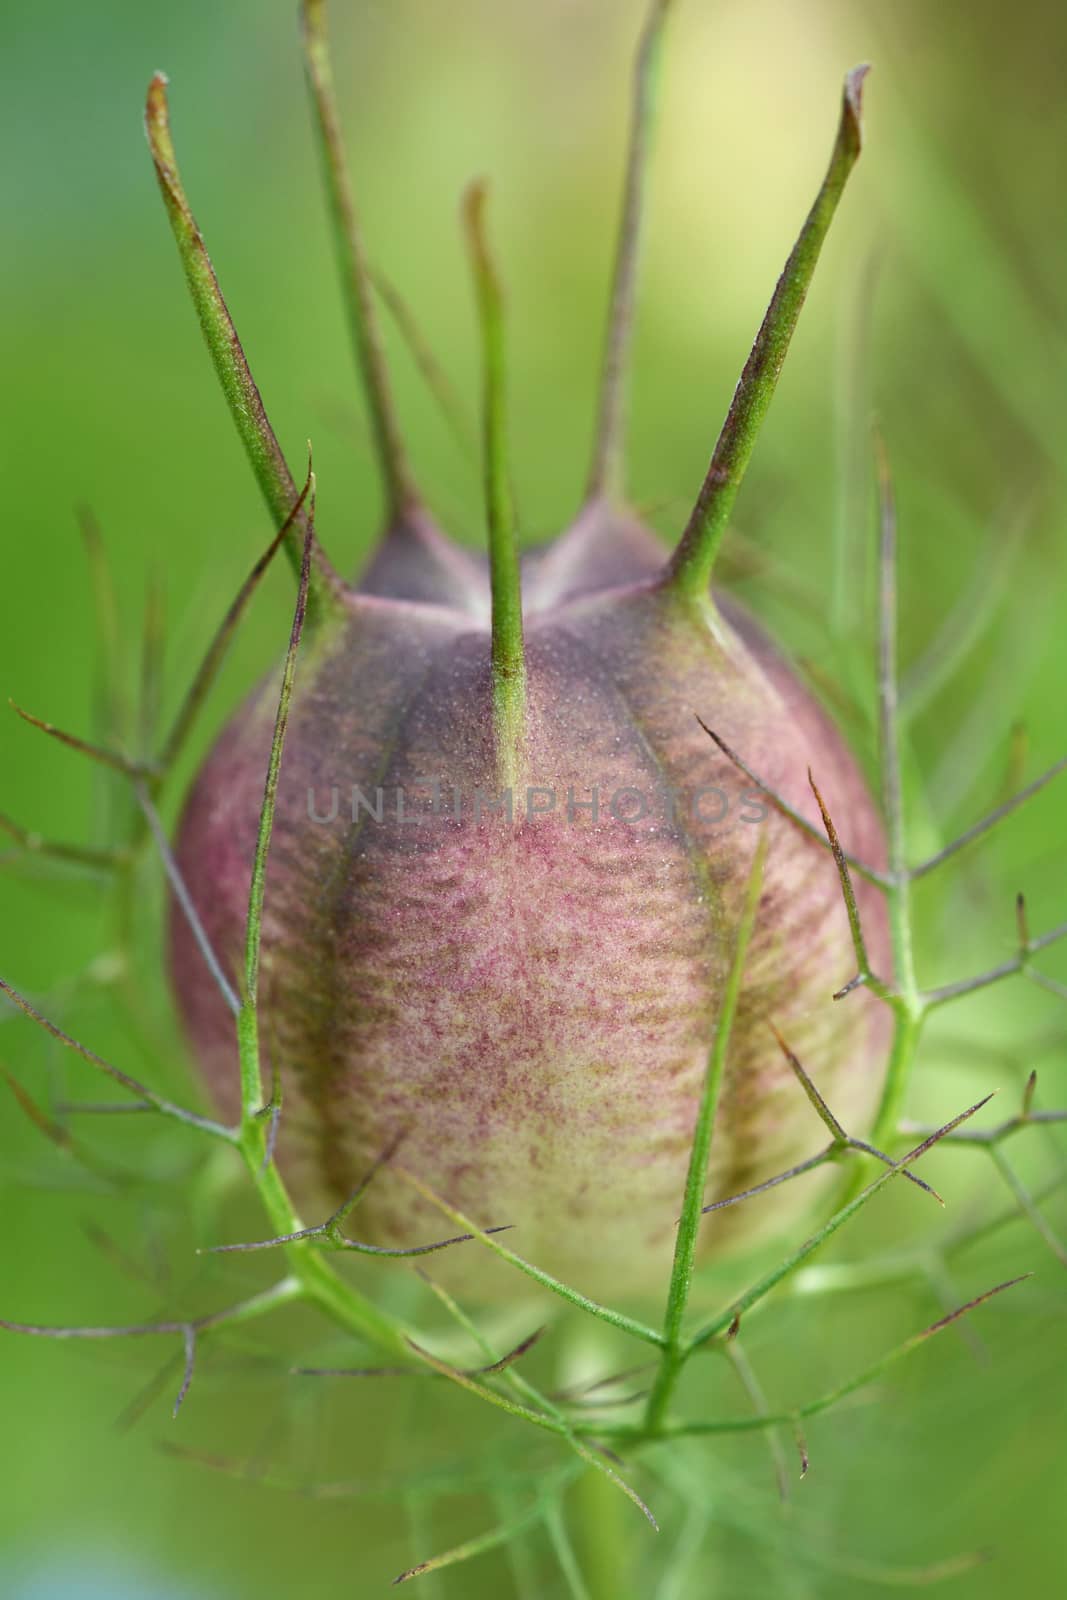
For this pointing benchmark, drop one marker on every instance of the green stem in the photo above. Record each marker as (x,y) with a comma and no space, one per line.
(238,386)
(257,888)
(691,566)
(674,1347)
(319,1280)
(508,653)
(909,1007)
(606,471)
(367,343)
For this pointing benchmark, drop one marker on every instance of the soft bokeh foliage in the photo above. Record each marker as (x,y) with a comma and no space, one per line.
(940,301)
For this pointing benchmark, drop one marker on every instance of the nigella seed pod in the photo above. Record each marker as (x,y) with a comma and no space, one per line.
(508,862)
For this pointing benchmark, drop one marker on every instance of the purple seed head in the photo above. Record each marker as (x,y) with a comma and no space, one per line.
(508,863)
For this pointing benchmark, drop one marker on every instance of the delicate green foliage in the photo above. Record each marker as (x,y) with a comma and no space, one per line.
(573,1418)
(813,1408)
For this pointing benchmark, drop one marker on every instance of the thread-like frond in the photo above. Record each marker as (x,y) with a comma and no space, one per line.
(690,569)
(110,696)
(992,1140)
(270,790)
(59,1135)
(483,1543)
(153,647)
(865,976)
(188,910)
(734,1352)
(248,1017)
(859,867)
(971,614)
(842,1141)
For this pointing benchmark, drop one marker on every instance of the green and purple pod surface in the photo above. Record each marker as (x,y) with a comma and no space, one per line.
(508,864)
(530,1000)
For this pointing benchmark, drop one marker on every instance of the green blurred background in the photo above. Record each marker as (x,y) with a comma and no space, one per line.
(940,303)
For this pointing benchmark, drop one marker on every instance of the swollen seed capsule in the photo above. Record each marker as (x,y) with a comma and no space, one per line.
(508,863)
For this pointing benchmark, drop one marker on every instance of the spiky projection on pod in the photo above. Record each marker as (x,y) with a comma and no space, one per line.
(508,862)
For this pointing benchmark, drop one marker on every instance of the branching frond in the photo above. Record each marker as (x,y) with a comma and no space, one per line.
(842,1141)
(115,759)
(184,899)
(1007,969)
(282,1293)
(333,1241)
(615,1319)
(491,1368)
(103,860)
(813,1408)
(59,1135)
(998,814)
(777,1274)
(158,1103)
